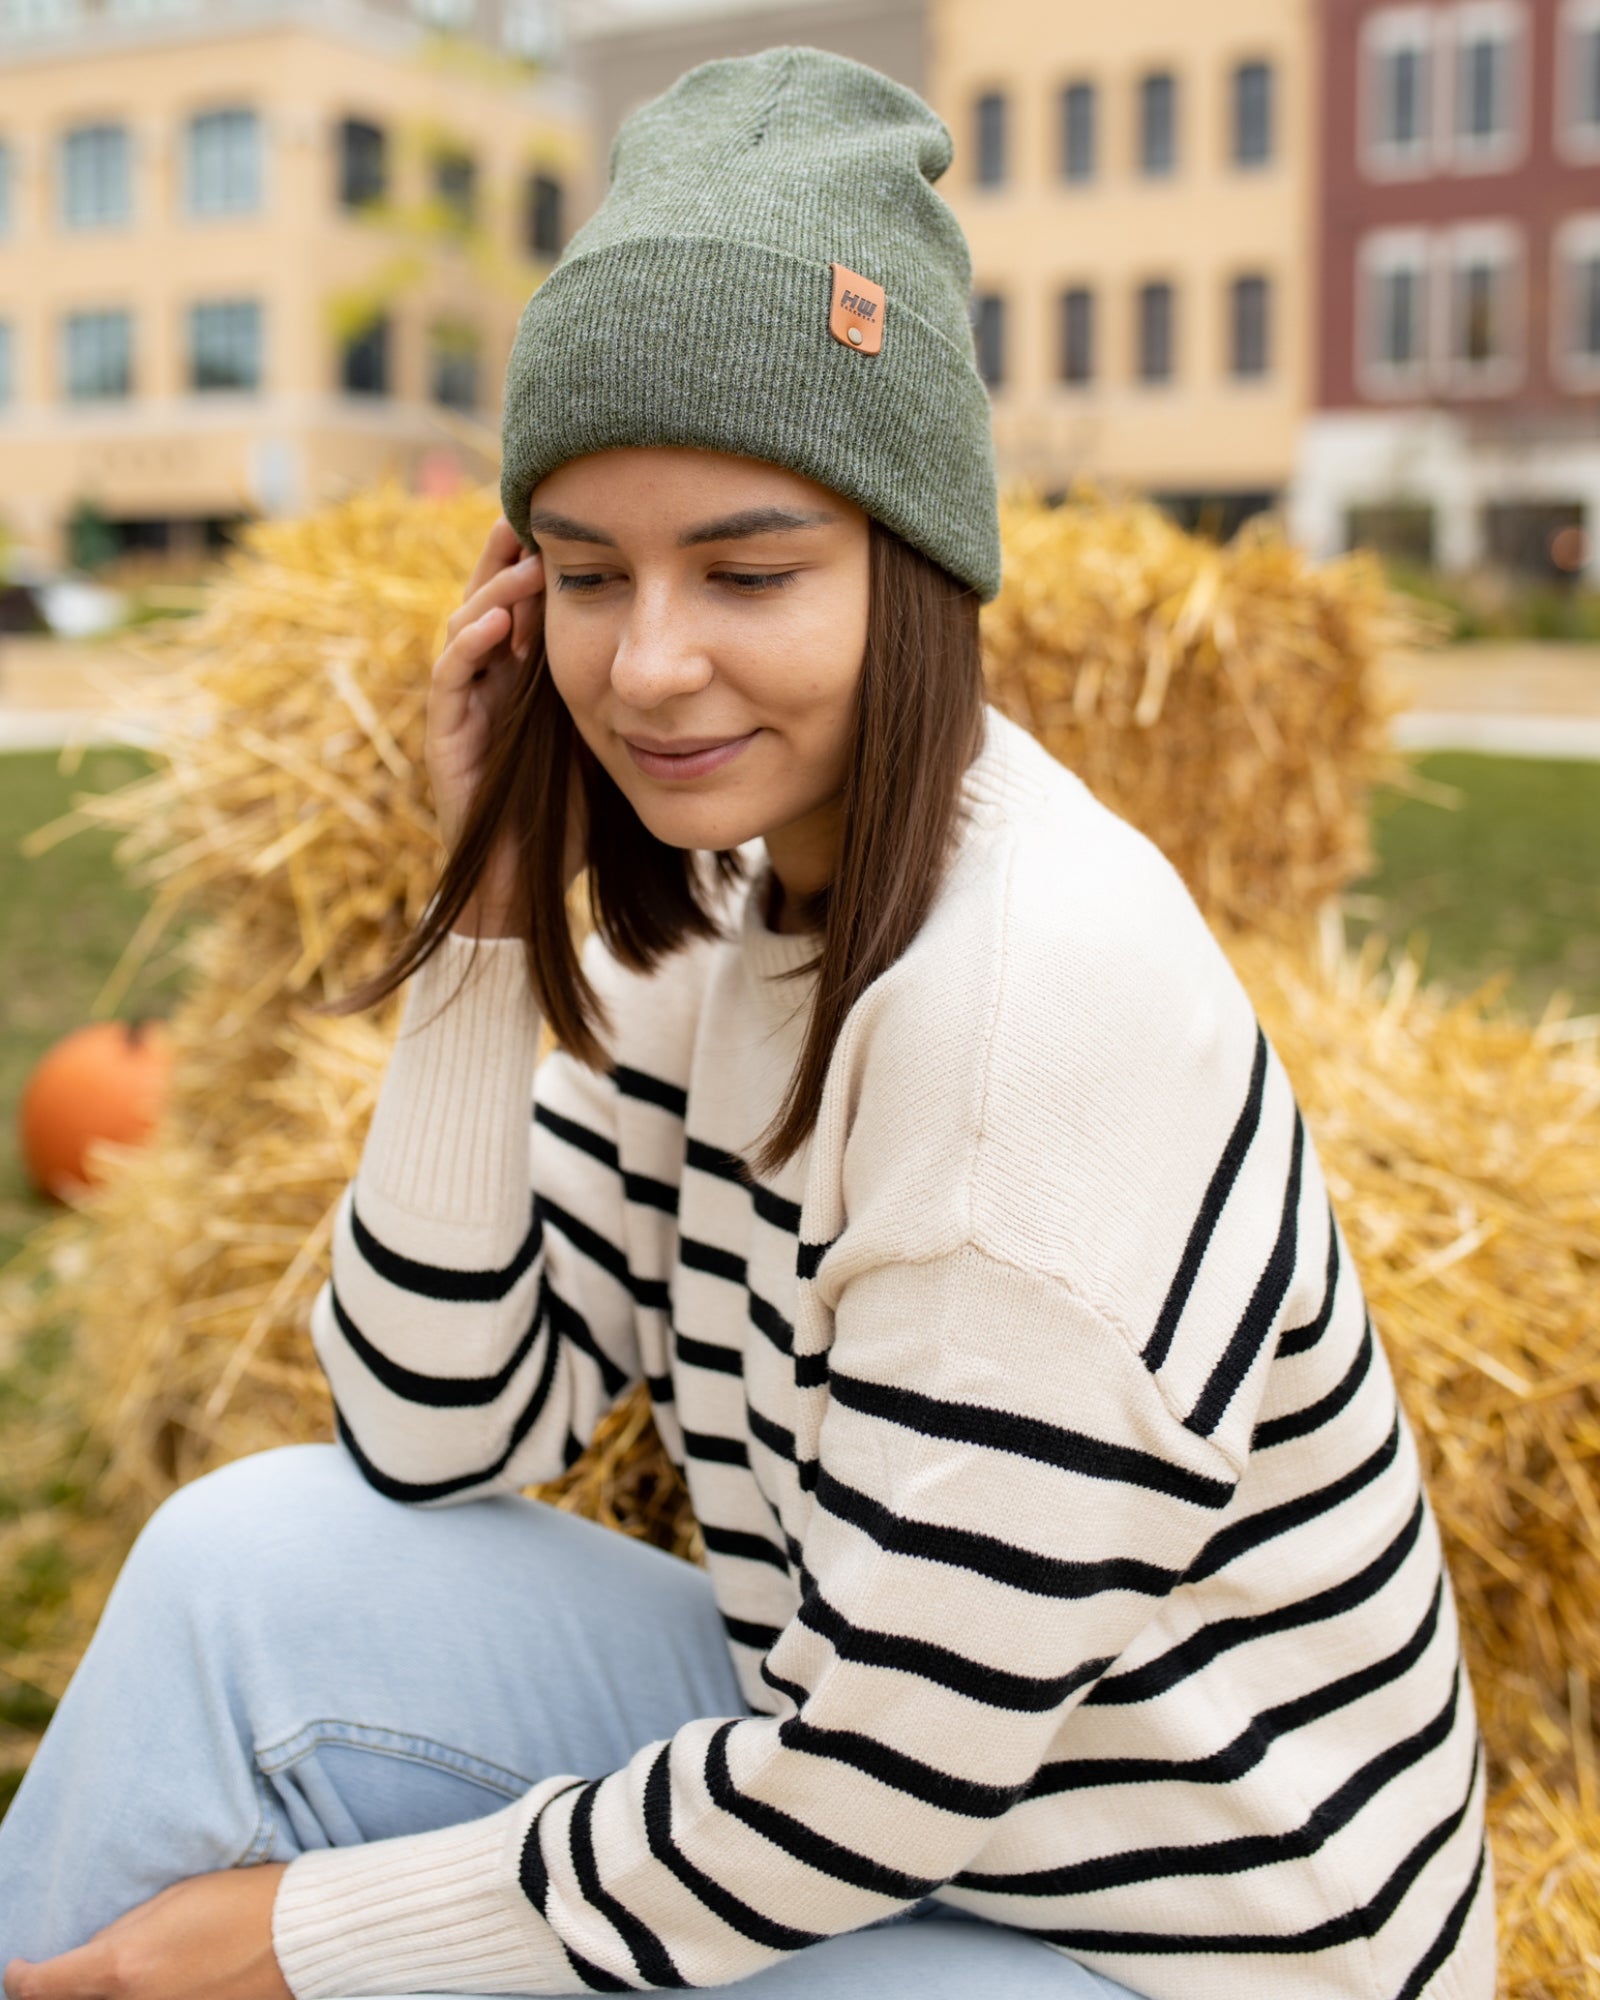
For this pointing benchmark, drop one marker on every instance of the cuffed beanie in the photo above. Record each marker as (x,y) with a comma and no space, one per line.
(772,274)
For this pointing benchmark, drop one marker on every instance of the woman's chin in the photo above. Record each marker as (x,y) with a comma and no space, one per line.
(699,823)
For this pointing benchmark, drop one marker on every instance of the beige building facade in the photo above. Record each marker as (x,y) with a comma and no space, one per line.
(1136,182)
(253,257)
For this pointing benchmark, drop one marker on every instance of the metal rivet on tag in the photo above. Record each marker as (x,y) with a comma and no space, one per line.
(855,336)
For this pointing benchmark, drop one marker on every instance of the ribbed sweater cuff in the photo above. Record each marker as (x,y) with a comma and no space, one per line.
(440,1912)
(449,1133)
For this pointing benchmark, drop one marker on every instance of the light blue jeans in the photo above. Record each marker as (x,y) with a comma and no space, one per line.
(290,1661)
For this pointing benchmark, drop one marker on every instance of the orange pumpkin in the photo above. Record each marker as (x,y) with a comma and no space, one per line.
(105,1081)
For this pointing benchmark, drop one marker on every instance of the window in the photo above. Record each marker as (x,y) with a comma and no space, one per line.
(8,387)
(364,361)
(532,29)
(1153,362)
(24,17)
(1485,117)
(1396,107)
(1575,292)
(546,216)
(453,366)
(455,182)
(96,177)
(989,337)
(98,358)
(225,345)
(1078,132)
(225,163)
(1483,270)
(1400,296)
(1249,327)
(1578,80)
(1392,295)
(1158,122)
(363,163)
(1252,114)
(1077,335)
(990,112)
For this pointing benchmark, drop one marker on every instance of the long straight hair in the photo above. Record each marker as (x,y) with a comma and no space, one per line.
(918,724)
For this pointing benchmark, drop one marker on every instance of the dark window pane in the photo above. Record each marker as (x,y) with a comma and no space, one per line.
(1399,310)
(545,223)
(455,182)
(1588,87)
(1483,94)
(1155,333)
(98,355)
(1402,97)
(225,345)
(455,367)
(1252,114)
(225,163)
(989,337)
(1078,132)
(1477,316)
(364,361)
(991,115)
(1158,122)
(1588,289)
(96,177)
(363,173)
(1077,334)
(1250,331)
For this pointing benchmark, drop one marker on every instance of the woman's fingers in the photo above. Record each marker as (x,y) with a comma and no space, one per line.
(508,587)
(500,548)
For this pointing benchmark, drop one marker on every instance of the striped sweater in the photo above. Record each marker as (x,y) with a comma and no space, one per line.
(1069,1540)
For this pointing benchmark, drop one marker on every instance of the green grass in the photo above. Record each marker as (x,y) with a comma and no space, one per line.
(65,917)
(1509,881)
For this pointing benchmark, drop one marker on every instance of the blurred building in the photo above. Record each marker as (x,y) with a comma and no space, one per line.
(628,51)
(1458,384)
(1136,183)
(256,253)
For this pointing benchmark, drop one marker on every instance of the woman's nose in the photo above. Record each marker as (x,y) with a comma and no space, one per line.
(658,655)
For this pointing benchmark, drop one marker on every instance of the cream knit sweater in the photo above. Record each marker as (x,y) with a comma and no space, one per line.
(1068,1537)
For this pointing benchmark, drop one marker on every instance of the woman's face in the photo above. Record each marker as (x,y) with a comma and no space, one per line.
(705,619)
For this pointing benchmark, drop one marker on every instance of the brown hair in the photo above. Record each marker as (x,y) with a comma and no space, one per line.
(918,724)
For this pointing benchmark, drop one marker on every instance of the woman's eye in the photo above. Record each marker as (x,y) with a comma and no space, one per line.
(569,582)
(749,582)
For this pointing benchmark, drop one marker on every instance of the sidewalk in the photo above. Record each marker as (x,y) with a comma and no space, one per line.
(53,692)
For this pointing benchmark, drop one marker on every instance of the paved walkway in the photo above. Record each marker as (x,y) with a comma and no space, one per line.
(1515,700)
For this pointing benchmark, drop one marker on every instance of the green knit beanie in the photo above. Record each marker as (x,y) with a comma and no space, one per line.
(701,304)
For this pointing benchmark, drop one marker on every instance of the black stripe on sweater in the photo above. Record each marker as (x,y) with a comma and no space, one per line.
(649,1292)
(1250,1335)
(1211,1207)
(746,1546)
(654,1090)
(1300,1423)
(436,1392)
(747,1632)
(535,1880)
(1449,1933)
(723,1166)
(1250,1746)
(648,1953)
(1229,1543)
(715,1450)
(795,1838)
(712,1259)
(909,1775)
(415,1492)
(810,1370)
(640,1188)
(733,1910)
(707,1354)
(435,1281)
(995,1687)
(1157,1676)
(1297,1339)
(1244,1852)
(777,1439)
(1028,1437)
(986,1555)
(1365,1921)
(808,1258)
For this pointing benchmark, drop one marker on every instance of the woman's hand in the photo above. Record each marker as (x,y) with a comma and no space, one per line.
(491,644)
(209,1938)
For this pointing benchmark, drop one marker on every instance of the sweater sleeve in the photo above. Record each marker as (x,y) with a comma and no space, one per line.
(477,1320)
(969,1568)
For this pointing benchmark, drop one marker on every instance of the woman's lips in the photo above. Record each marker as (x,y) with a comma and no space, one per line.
(700,755)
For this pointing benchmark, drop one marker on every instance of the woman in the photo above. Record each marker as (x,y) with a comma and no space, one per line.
(1071,1591)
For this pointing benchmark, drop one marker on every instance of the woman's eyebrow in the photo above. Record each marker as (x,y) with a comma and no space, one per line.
(753,521)
(562,528)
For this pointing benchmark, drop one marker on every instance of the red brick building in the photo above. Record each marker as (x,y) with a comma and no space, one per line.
(1456,403)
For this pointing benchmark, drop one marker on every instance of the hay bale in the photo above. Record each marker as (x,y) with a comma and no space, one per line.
(1229,701)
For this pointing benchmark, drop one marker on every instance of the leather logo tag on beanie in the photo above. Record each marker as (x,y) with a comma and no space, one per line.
(856,314)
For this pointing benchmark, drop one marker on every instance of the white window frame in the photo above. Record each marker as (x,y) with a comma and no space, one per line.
(1379,253)
(1462,243)
(1573,240)
(1390,29)
(1575,140)
(224,215)
(1505,22)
